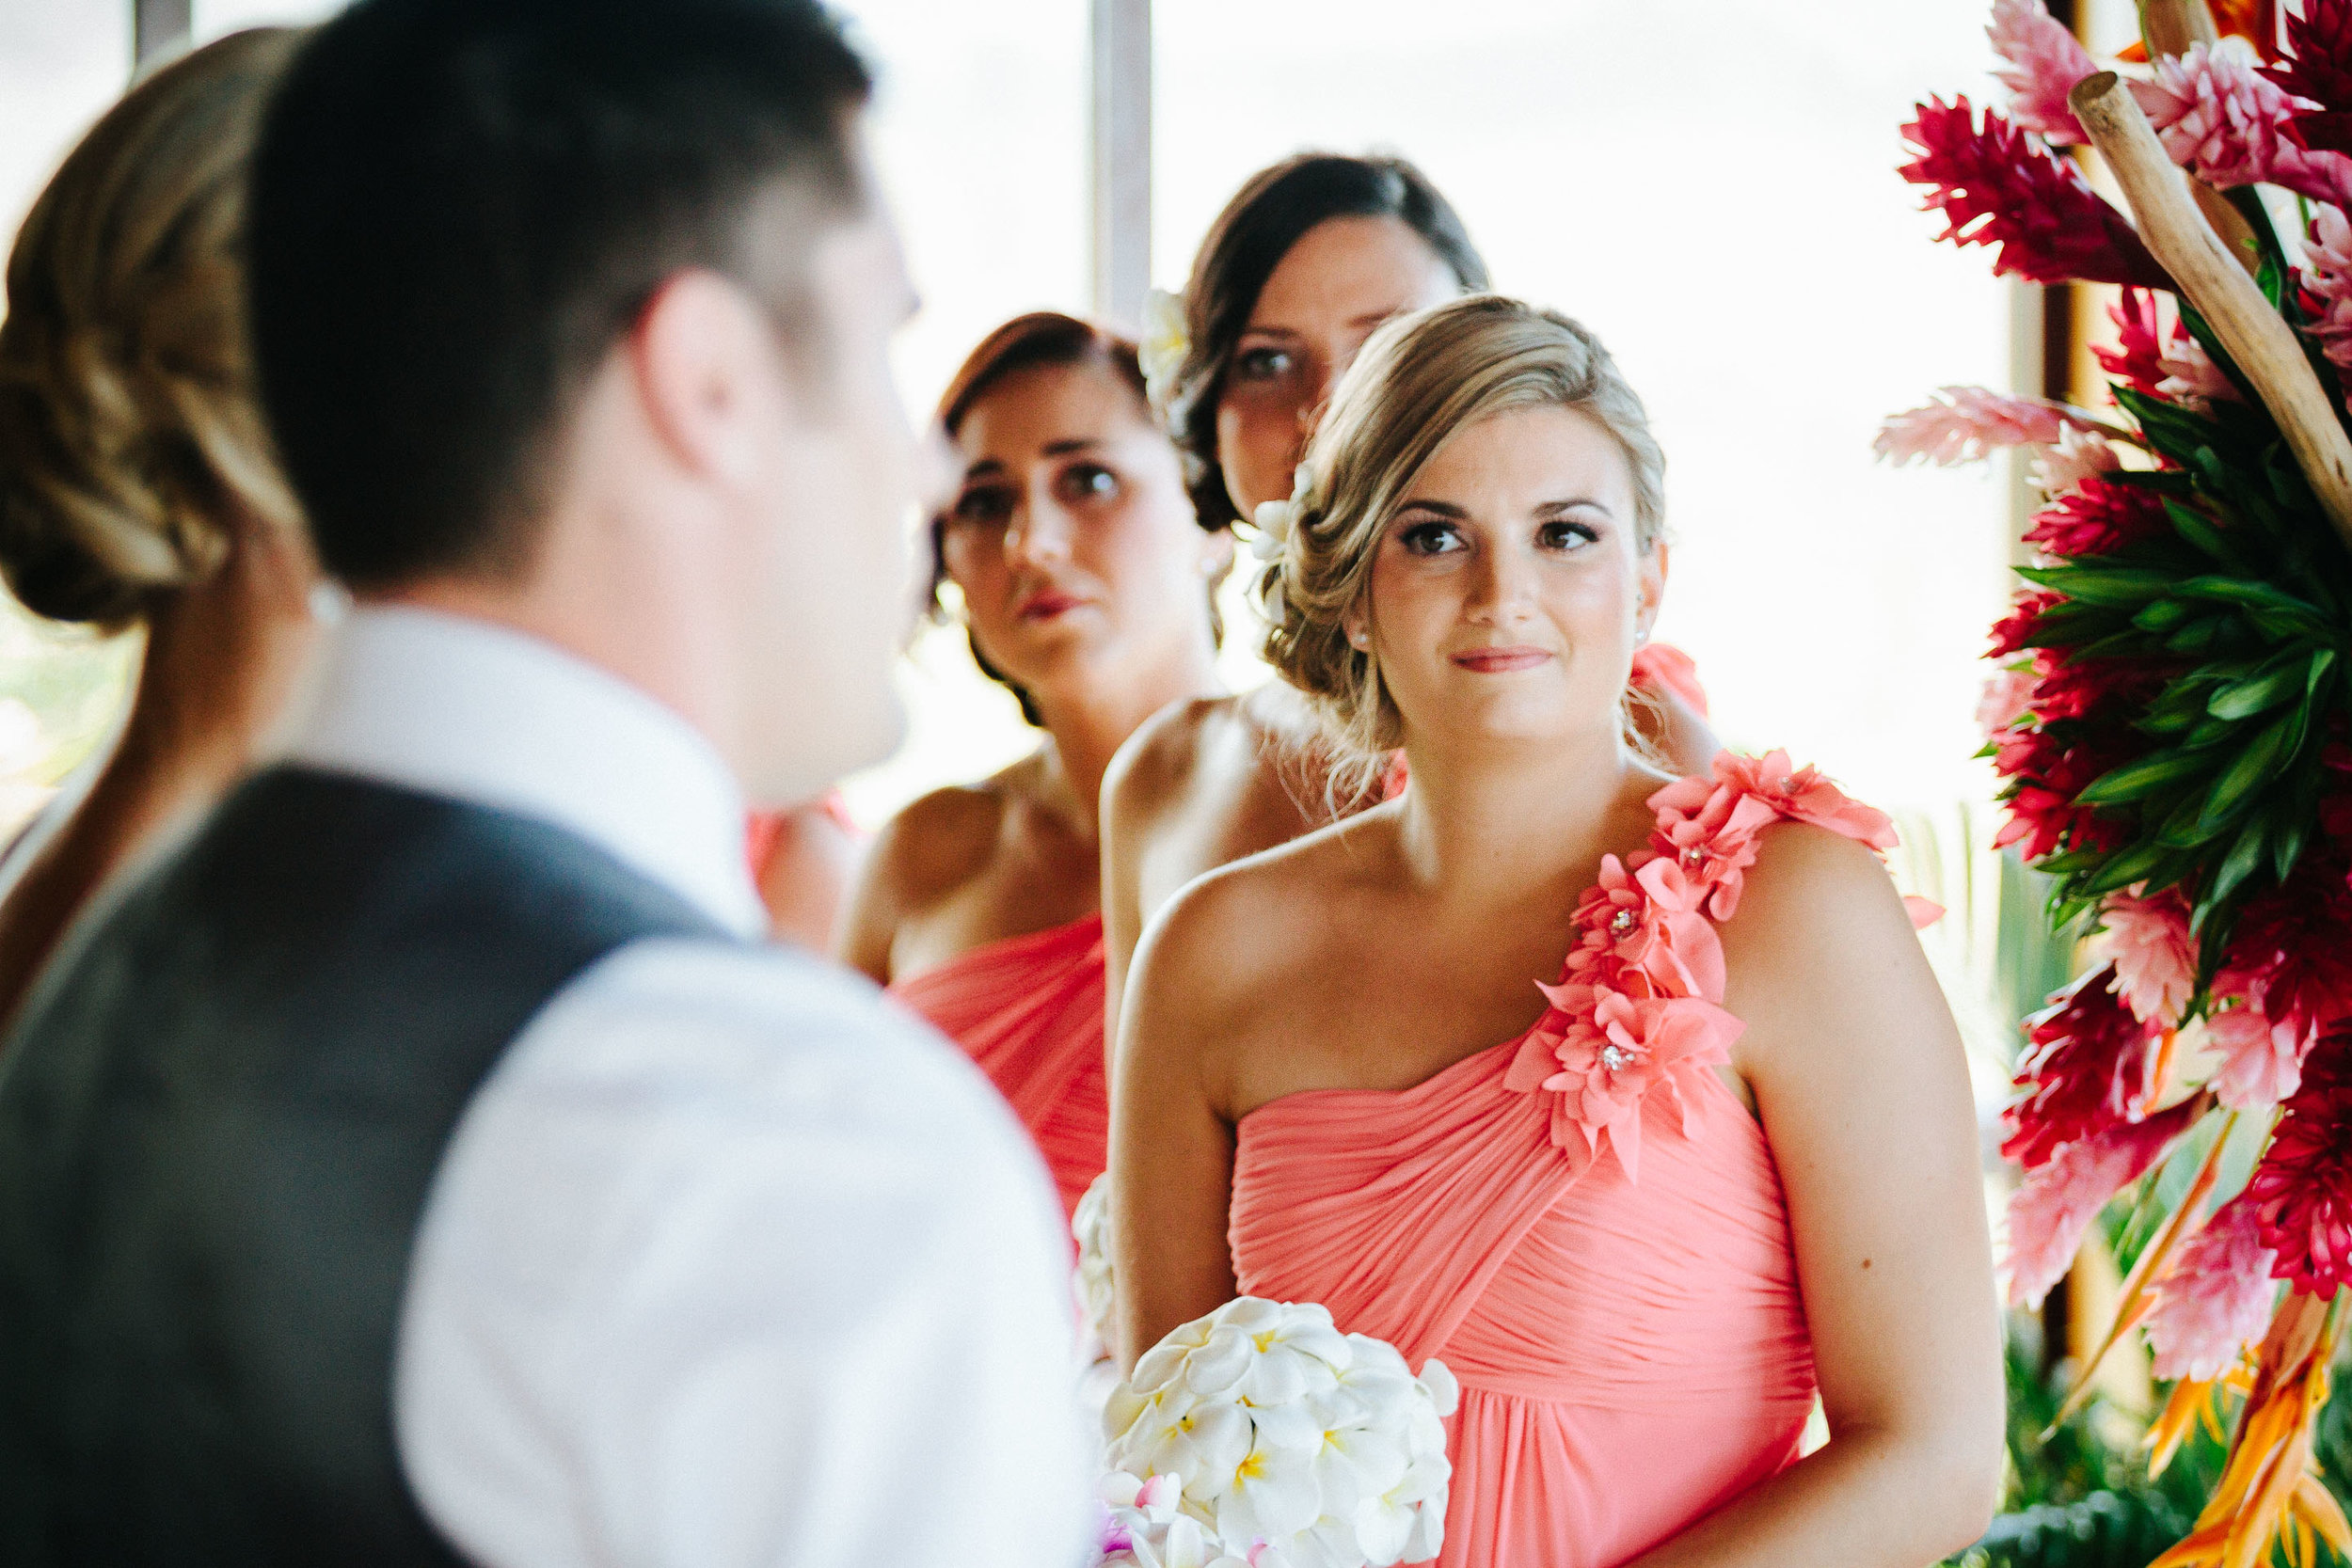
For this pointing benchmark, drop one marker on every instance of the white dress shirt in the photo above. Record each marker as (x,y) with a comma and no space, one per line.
(728,1262)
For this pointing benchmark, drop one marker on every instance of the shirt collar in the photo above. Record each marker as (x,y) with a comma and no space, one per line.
(456,706)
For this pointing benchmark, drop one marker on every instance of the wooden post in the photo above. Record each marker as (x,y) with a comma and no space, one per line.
(158,27)
(1119,157)
(2265,347)
(2169,28)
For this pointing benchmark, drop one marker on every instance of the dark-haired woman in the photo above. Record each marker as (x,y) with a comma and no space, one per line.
(1085,581)
(1305,263)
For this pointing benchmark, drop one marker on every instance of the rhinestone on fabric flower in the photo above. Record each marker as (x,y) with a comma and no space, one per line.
(1621,921)
(1694,855)
(1611,1057)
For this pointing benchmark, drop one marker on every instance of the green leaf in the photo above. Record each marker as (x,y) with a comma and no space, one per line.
(2276,683)
(2235,787)
(2162,615)
(2142,777)
(2286,844)
(2185,828)
(2250,593)
(2199,531)
(2245,857)
(2113,585)
(2125,867)
(2201,636)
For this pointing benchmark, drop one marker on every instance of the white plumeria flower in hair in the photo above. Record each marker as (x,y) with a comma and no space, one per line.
(1164,347)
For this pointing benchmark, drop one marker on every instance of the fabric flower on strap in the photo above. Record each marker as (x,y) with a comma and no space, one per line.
(1638,1005)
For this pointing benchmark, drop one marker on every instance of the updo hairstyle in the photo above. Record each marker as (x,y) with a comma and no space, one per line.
(1249,239)
(1419,380)
(130,436)
(1040,338)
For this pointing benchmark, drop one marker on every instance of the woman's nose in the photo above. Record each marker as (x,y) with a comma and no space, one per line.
(1039,534)
(1503,587)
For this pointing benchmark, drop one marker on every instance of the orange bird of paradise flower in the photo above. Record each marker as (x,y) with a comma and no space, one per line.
(2255,20)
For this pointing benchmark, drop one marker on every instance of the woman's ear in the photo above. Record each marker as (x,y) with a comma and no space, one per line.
(1653,592)
(1216,554)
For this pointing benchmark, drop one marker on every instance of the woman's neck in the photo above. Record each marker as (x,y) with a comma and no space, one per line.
(1085,728)
(1497,825)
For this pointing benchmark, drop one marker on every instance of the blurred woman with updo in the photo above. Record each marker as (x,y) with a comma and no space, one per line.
(1306,262)
(1629,1096)
(139,487)
(1087,584)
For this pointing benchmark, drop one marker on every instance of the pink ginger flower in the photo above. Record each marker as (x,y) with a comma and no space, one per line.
(2138,356)
(2056,1204)
(2008,698)
(2327,282)
(1970,425)
(2303,1187)
(2217,1296)
(2261,1058)
(2225,122)
(2043,61)
(2078,455)
(2191,376)
(2154,956)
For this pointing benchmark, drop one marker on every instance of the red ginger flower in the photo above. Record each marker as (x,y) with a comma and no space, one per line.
(2044,59)
(2319,70)
(2048,768)
(2010,631)
(2288,949)
(2099,517)
(2138,356)
(2303,1187)
(1994,186)
(2089,1067)
(2227,124)
(2328,284)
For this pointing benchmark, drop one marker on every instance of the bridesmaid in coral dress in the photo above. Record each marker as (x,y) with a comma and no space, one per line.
(1724,1159)
(1306,260)
(1086,584)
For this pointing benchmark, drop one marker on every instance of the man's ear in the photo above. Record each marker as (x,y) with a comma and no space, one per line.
(709,377)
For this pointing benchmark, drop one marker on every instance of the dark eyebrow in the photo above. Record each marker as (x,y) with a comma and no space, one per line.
(1075,443)
(1269,332)
(1573,502)
(986,466)
(1443,509)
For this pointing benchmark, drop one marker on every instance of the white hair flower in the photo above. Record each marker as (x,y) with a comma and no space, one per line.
(1294,1442)
(1163,345)
(1277,521)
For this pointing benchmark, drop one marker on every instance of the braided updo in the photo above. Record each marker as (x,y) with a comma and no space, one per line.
(1419,380)
(129,431)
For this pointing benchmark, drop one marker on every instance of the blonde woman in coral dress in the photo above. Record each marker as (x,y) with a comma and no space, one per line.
(1722,1158)
(1085,580)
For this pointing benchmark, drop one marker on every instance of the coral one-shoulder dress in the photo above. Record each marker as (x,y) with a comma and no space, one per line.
(1028,1009)
(1585,1223)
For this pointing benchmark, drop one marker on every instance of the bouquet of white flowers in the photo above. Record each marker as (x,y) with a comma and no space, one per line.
(1281,1442)
(1090,1228)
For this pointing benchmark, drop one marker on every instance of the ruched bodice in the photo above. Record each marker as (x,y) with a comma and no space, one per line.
(1028,1010)
(1632,1354)
(1584,1222)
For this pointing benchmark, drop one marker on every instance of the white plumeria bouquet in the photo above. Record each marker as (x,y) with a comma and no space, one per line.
(1282,1442)
(1090,1228)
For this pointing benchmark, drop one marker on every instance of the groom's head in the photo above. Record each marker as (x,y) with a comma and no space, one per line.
(573,313)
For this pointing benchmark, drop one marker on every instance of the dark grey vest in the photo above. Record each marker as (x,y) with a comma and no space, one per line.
(218,1121)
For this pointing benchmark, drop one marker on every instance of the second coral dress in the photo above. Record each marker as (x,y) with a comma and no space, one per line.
(1585,1223)
(1028,1010)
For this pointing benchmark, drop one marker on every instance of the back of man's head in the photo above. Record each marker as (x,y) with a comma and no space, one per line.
(459,208)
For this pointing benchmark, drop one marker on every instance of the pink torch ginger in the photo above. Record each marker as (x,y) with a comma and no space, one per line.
(2217,1296)
(2043,61)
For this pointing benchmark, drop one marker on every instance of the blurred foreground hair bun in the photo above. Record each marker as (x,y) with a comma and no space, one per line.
(130,436)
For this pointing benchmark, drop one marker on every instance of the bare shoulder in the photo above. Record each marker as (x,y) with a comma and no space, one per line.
(939,842)
(1810,884)
(1252,930)
(1155,762)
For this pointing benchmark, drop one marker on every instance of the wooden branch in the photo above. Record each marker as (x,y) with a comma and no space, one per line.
(2258,339)
(2169,27)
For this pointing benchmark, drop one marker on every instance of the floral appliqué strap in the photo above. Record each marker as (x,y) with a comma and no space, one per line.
(1639,1006)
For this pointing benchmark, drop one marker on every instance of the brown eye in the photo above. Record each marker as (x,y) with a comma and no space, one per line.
(1087,481)
(982,506)
(1265,364)
(1430,539)
(1566,536)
